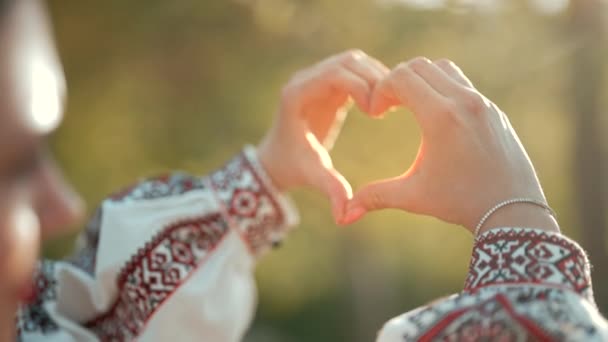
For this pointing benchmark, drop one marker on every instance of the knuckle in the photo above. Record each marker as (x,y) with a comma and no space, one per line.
(356,53)
(352,55)
(444,62)
(473,103)
(447,116)
(448,110)
(401,67)
(402,70)
(419,62)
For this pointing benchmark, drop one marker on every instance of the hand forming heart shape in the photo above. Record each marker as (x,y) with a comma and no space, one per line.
(469,158)
(312,111)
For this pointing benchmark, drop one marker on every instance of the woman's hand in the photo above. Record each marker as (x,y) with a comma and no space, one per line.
(470,157)
(312,109)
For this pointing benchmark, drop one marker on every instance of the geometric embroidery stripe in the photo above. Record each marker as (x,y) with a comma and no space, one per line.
(277,212)
(515,256)
(155,272)
(250,206)
(259,235)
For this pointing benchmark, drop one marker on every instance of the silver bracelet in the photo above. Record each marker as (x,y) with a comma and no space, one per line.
(489,213)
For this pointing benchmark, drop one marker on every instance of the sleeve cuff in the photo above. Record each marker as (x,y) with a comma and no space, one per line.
(510,256)
(253,206)
(285,203)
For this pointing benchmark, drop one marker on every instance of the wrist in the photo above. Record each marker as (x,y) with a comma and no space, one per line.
(522,215)
(267,158)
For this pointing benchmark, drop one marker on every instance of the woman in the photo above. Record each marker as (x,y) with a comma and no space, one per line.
(172,257)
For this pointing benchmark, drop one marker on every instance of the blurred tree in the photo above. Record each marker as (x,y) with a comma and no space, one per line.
(587,28)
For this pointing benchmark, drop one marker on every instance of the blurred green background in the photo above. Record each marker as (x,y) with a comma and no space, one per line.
(162,85)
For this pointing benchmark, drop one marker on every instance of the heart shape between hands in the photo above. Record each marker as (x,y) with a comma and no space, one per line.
(380,103)
(436,92)
(312,111)
(453,116)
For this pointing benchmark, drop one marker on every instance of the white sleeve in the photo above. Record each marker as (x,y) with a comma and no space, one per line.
(171,256)
(523,285)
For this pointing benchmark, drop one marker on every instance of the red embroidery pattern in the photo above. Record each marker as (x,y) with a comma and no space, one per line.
(521,287)
(155,272)
(171,184)
(159,268)
(164,263)
(507,256)
(522,312)
(489,320)
(250,204)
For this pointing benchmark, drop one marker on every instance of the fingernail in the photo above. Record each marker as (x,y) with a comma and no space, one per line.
(353,214)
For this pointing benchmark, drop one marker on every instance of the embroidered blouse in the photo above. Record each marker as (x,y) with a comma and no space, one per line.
(174,256)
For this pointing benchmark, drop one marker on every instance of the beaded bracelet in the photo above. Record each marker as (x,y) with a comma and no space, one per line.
(489,213)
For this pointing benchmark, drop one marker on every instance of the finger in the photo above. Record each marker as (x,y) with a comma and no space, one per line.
(365,67)
(454,71)
(389,193)
(325,122)
(436,77)
(404,86)
(339,192)
(344,80)
(334,80)
(383,98)
(370,69)
(322,176)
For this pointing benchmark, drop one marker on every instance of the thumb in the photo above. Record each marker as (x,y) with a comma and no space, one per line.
(388,193)
(337,189)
